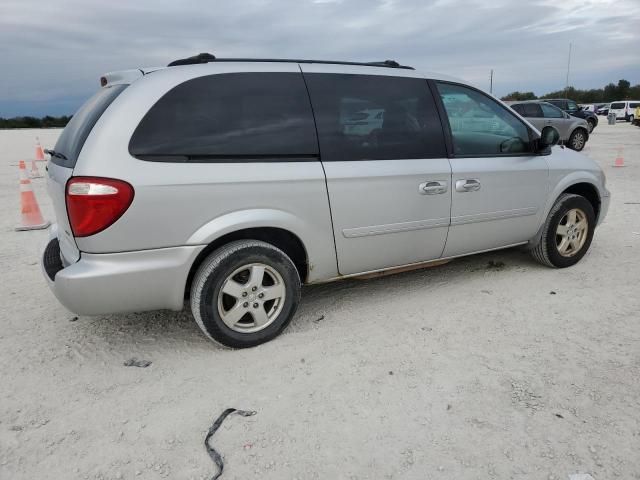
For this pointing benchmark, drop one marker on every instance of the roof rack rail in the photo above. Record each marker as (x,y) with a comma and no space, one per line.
(207,57)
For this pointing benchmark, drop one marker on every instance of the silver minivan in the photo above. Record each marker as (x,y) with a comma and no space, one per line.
(233,182)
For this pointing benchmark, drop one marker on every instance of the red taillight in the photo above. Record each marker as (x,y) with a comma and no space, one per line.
(94,203)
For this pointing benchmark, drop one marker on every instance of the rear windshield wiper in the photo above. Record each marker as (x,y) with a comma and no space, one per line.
(53,153)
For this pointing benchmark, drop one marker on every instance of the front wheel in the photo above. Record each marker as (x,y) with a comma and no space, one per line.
(567,232)
(577,140)
(245,293)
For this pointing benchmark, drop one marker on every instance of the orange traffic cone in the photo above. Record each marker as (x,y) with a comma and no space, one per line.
(619,159)
(35,173)
(39,151)
(31,215)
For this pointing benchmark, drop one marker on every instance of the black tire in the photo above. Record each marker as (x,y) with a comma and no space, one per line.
(591,124)
(217,268)
(546,251)
(577,140)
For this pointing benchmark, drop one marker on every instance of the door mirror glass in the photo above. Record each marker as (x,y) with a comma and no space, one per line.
(549,137)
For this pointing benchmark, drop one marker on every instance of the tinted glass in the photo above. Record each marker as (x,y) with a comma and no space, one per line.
(617,106)
(549,111)
(368,117)
(77,130)
(634,104)
(532,110)
(572,106)
(480,125)
(227,116)
(518,108)
(558,103)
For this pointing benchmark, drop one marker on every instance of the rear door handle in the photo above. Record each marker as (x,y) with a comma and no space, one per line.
(432,188)
(468,185)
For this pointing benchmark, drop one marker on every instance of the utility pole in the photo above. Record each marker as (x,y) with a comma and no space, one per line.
(491,82)
(566,85)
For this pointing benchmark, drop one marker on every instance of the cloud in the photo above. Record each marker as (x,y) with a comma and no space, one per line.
(55,51)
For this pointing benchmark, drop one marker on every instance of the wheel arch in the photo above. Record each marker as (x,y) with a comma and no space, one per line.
(281,238)
(578,186)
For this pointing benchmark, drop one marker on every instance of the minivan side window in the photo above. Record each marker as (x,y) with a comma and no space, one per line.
(616,106)
(230,117)
(375,117)
(480,125)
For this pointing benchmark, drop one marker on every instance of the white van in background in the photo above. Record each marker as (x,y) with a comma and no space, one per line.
(624,109)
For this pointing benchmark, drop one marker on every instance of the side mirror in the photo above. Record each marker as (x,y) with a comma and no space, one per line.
(549,137)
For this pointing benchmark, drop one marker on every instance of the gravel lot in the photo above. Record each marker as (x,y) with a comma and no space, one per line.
(488,367)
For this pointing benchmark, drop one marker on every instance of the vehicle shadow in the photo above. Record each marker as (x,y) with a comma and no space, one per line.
(169,330)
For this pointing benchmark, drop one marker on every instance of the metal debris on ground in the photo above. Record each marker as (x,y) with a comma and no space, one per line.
(215,456)
(134,362)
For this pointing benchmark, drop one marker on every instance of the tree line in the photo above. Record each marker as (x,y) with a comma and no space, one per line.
(610,93)
(35,122)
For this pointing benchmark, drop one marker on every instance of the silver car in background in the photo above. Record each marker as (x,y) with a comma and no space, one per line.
(574,131)
(231,183)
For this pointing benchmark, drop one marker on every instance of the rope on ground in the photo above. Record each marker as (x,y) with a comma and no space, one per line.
(215,456)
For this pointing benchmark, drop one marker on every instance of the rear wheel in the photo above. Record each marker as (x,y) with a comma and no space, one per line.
(245,293)
(567,232)
(577,140)
(591,125)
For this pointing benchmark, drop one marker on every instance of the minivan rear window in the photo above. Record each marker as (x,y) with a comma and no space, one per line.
(79,127)
(230,117)
(616,106)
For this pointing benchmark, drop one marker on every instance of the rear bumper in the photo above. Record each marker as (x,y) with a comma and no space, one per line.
(100,284)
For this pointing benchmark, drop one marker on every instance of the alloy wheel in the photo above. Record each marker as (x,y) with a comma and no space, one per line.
(572,232)
(251,298)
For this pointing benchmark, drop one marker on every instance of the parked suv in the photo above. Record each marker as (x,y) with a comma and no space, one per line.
(234,182)
(572,108)
(574,132)
(625,109)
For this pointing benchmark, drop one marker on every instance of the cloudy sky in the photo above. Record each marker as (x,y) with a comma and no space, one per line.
(52,52)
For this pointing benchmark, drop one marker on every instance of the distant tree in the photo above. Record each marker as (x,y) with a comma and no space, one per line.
(520,96)
(33,122)
(623,89)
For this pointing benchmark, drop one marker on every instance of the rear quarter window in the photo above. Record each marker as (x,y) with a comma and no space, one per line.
(79,127)
(229,117)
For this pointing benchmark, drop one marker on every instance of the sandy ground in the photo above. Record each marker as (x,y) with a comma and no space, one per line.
(472,370)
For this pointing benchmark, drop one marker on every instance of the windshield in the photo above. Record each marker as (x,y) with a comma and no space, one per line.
(617,106)
(77,130)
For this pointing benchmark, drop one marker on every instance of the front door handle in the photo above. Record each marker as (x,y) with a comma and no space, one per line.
(432,188)
(468,185)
